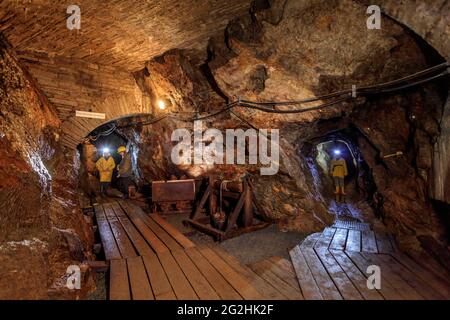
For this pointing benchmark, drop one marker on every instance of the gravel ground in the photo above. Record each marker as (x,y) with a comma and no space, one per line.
(249,247)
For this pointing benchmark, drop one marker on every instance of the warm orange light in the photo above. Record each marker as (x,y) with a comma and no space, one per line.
(161,104)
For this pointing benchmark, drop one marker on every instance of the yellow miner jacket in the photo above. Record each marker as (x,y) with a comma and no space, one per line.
(339,168)
(105,167)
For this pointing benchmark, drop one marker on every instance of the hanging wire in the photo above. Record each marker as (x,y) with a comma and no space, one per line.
(269,106)
(103,133)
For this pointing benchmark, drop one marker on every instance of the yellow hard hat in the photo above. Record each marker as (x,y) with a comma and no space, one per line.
(121,149)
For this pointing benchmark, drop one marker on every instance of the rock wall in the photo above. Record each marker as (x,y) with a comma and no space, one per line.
(314,48)
(429,19)
(296,50)
(43,230)
(186,90)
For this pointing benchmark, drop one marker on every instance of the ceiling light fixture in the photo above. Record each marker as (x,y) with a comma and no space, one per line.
(161,104)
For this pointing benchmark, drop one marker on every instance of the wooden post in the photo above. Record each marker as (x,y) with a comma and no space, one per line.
(212,199)
(247,212)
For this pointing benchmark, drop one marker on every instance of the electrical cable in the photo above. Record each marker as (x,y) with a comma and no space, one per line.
(321,106)
(348,91)
(366,90)
(103,133)
(412,76)
(442,74)
(348,94)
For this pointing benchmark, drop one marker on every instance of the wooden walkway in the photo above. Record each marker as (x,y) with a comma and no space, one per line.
(150,259)
(333,265)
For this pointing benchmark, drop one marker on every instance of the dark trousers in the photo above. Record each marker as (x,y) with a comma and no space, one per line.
(104,187)
(124,183)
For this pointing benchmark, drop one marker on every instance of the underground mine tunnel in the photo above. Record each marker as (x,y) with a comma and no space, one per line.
(267,149)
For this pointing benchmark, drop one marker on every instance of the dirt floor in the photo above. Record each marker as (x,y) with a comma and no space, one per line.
(250,247)
(101,284)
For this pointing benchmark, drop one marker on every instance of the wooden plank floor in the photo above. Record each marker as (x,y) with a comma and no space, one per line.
(150,259)
(334,265)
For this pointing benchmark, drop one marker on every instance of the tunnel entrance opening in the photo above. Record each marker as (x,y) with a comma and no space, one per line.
(362,202)
(104,142)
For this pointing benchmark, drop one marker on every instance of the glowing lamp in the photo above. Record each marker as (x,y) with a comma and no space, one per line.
(337,152)
(106,150)
(161,104)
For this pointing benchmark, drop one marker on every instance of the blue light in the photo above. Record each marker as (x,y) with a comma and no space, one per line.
(106,150)
(337,152)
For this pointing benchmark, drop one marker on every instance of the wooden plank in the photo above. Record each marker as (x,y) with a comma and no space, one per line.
(284,264)
(393,242)
(123,242)
(311,240)
(217,281)
(262,286)
(383,243)
(368,242)
(277,283)
(325,238)
(353,241)
(109,212)
(324,282)
(142,247)
(162,235)
(238,282)
(356,276)
(156,229)
(415,282)
(427,276)
(159,282)
(233,216)
(108,241)
(270,272)
(308,285)
(280,272)
(196,279)
(387,290)
(175,233)
(119,287)
(351,225)
(177,279)
(167,296)
(427,261)
(118,211)
(339,239)
(146,232)
(99,212)
(140,286)
(340,279)
(395,280)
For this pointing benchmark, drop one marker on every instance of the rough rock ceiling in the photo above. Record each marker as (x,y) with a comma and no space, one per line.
(120,33)
(429,19)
